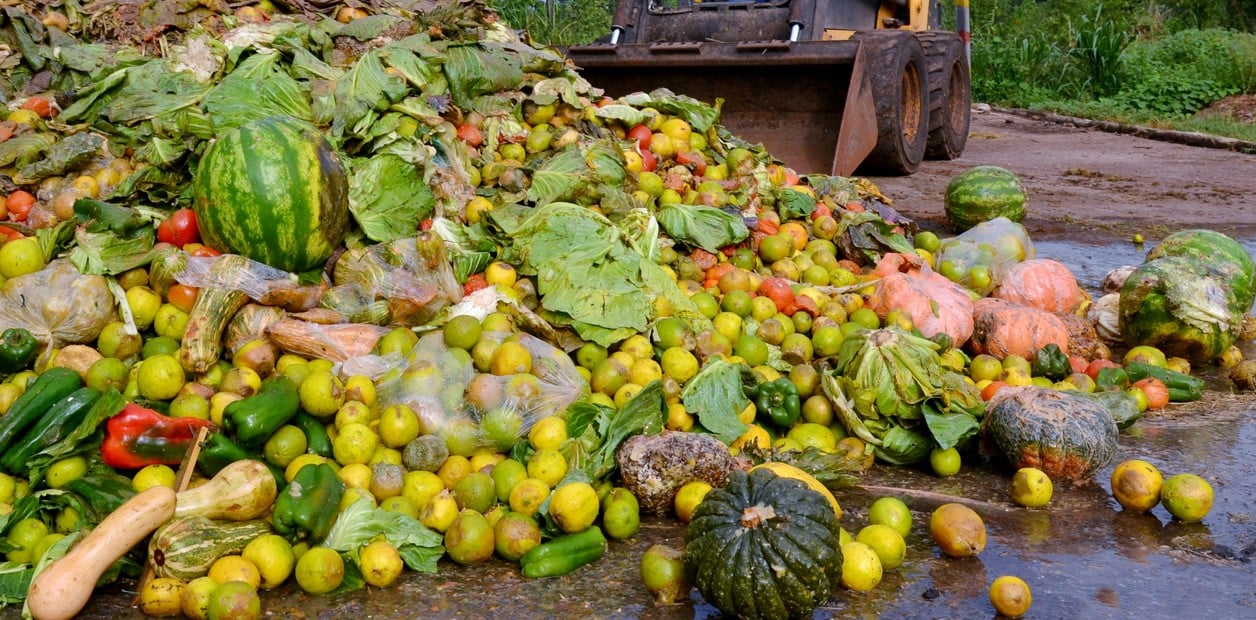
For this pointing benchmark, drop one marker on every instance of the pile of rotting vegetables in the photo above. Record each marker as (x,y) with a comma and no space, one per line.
(329,294)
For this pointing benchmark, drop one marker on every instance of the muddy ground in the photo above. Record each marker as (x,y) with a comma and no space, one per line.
(1082,556)
(1081,180)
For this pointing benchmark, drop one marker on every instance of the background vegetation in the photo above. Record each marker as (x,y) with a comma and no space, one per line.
(1151,62)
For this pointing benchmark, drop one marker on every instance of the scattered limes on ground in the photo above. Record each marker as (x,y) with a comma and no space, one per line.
(235,568)
(1010,596)
(945,463)
(886,542)
(380,563)
(861,568)
(688,497)
(549,466)
(891,511)
(1136,485)
(161,596)
(194,600)
(273,556)
(958,530)
(1031,487)
(320,570)
(1187,497)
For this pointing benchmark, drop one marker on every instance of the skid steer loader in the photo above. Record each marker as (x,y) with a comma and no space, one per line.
(827,86)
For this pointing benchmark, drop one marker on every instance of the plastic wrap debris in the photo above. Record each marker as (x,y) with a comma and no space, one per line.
(338,342)
(261,282)
(452,397)
(58,305)
(404,282)
(979,256)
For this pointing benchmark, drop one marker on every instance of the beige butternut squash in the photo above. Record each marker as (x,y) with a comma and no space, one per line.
(63,588)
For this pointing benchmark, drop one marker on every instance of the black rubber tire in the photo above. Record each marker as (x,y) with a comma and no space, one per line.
(950,95)
(896,64)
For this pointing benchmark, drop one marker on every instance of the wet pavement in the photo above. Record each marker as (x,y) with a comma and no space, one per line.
(1081,555)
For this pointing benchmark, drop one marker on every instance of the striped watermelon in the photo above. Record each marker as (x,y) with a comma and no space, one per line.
(275,191)
(1223,255)
(983,193)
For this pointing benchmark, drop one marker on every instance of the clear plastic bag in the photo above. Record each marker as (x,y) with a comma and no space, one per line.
(404,282)
(58,305)
(336,342)
(980,256)
(261,282)
(474,409)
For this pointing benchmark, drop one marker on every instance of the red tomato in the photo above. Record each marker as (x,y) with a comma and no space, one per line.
(692,160)
(10,234)
(197,249)
(821,210)
(649,161)
(470,134)
(1078,363)
(425,225)
(779,291)
(1096,365)
(179,229)
(642,135)
(474,283)
(182,296)
(19,204)
(39,105)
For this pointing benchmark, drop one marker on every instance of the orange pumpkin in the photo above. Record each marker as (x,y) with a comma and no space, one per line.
(1082,338)
(1003,328)
(1040,283)
(934,303)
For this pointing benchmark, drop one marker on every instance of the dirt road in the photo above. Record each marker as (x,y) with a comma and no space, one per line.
(1088,179)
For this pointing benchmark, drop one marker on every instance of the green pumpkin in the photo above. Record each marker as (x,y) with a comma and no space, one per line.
(764,546)
(983,193)
(1067,436)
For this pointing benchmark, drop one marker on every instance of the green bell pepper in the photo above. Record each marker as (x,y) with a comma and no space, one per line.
(218,451)
(254,419)
(17,350)
(778,400)
(307,507)
(1112,378)
(1051,362)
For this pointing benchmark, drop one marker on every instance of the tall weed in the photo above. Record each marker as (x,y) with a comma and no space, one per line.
(1095,45)
(558,22)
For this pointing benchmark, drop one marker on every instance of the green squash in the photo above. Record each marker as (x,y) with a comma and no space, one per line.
(1225,256)
(1181,306)
(764,546)
(983,193)
(275,191)
(1067,436)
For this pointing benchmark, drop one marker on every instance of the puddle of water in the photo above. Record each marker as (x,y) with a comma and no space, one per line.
(1092,259)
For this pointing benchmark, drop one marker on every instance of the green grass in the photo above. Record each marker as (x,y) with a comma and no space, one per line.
(1211,124)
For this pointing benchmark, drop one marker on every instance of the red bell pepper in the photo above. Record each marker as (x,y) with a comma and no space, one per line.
(137,437)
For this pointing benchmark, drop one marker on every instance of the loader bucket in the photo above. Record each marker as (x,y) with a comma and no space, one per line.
(809,103)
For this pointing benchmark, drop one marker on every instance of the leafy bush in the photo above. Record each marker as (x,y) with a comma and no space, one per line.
(558,22)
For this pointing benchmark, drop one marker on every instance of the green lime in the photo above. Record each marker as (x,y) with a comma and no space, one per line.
(159,345)
(462,332)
